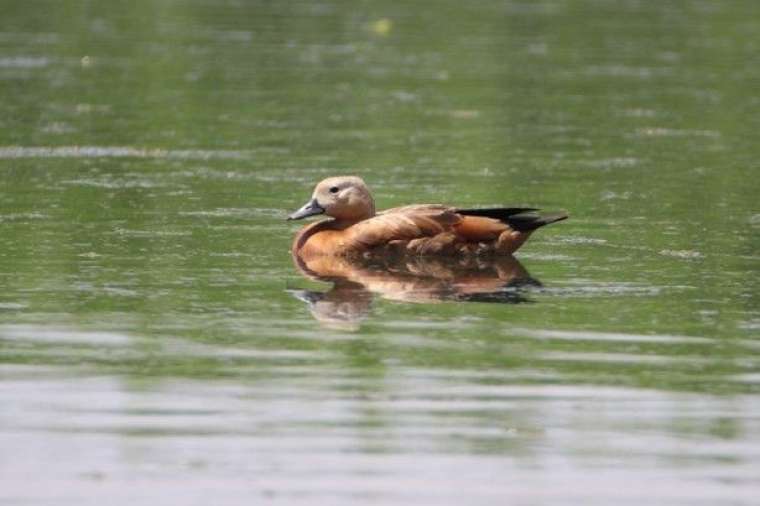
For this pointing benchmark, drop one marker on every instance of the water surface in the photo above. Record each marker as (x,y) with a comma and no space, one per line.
(157,343)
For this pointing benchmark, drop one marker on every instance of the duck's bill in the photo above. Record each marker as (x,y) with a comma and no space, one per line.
(311,208)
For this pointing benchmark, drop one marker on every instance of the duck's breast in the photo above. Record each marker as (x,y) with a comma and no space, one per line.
(319,239)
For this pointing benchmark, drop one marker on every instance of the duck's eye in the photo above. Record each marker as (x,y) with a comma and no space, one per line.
(334,189)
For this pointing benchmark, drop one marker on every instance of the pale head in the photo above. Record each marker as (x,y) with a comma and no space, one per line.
(345,198)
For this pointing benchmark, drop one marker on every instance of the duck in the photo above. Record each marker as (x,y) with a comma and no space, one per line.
(355,228)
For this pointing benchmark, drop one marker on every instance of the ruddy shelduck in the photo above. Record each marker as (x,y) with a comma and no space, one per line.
(423,229)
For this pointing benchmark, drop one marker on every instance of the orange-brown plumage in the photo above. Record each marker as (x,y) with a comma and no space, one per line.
(477,228)
(426,229)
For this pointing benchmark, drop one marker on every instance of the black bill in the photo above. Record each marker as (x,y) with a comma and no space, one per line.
(309,209)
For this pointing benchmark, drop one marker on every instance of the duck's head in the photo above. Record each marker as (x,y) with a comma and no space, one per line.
(345,198)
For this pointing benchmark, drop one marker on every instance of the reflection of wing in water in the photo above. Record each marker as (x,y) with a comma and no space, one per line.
(417,279)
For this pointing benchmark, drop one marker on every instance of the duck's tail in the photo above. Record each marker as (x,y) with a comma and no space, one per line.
(522,219)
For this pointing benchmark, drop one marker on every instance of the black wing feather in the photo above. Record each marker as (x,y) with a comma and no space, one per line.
(522,219)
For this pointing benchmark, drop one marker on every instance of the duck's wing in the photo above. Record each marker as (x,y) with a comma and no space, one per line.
(522,219)
(437,229)
(403,224)
(419,210)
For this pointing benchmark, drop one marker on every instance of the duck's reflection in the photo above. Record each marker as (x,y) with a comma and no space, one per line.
(355,281)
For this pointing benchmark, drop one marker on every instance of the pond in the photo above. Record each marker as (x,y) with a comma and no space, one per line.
(158,343)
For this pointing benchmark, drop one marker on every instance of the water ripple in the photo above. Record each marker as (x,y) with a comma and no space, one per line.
(13,152)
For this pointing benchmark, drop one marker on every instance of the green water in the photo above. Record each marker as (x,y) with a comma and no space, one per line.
(153,345)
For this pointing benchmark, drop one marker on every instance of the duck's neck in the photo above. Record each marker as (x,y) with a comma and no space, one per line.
(352,218)
(341,223)
(370,212)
